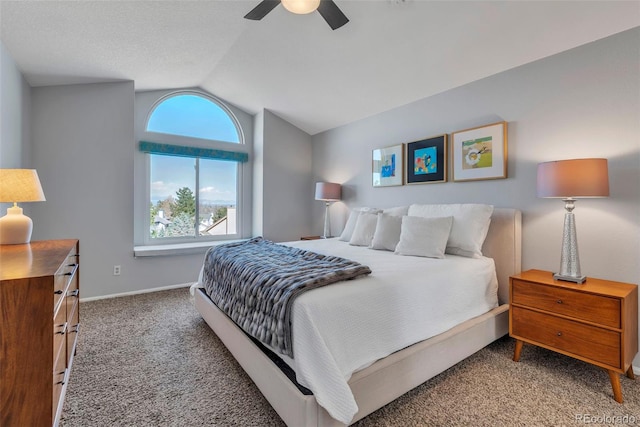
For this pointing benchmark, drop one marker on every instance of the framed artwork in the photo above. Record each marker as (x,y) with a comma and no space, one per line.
(427,160)
(480,153)
(388,164)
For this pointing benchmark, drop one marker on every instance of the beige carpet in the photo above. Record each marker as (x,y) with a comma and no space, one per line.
(150,360)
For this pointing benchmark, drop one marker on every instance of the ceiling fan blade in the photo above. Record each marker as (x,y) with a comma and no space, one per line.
(261,10)
(332,14)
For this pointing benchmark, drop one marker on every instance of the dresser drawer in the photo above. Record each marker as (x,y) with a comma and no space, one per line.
(59,379)
(63,277)
(73,322)
(584,341)
(60,338)
(590,307)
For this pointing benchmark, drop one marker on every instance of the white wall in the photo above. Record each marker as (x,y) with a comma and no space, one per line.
(283,166)
(581,103)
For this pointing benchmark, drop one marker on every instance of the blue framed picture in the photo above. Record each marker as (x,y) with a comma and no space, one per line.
(427,160)
(388,166)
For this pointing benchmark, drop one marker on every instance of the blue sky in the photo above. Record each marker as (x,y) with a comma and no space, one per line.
(194,116)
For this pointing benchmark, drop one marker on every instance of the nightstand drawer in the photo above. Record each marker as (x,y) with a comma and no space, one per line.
(584,341)
(593,308)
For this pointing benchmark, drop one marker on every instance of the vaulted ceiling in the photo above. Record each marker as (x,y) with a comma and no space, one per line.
(392,52)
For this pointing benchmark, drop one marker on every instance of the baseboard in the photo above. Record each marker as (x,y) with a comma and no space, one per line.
(144,291)
(636,369)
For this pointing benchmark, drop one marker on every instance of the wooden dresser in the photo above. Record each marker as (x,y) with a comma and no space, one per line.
(39,293)
(596,321)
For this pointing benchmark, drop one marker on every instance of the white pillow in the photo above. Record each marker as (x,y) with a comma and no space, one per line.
(364,230)
(469,229)
(387,234)
(426,237)
(349,226)
(397,211)
(345,236)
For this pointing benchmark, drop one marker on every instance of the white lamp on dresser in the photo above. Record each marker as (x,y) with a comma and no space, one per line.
(18,185)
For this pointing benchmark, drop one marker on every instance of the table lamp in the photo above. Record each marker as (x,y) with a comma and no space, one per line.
(569,180)
(328,192)
(18,185)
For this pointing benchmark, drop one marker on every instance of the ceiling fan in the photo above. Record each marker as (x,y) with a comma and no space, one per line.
(327,8)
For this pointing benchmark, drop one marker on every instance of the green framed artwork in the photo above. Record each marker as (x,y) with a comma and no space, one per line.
(480,153)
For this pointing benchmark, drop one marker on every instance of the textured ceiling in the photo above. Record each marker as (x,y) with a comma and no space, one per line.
(392,52)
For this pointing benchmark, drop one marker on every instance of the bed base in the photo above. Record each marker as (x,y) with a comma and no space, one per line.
(388,378)
(373,387)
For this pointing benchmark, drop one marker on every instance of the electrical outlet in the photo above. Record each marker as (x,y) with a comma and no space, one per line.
(116,270)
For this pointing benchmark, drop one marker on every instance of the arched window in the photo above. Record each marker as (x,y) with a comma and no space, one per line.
(195,152)
(193,116)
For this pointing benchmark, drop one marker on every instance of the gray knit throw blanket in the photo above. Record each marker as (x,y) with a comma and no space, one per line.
(255,282)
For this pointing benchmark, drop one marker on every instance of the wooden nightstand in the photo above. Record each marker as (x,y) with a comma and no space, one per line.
(596,321)
(311,238)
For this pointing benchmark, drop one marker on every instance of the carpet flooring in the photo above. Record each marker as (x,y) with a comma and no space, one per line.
(150,360)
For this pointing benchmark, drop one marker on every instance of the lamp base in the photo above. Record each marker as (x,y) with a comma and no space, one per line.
(575,279)
(569,259)
(327,222)
(15,228)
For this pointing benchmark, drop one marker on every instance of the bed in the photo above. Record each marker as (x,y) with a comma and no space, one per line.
(377,383)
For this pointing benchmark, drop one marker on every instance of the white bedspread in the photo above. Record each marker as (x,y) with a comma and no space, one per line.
(342,328)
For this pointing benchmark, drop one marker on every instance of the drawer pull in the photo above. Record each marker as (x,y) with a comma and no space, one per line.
(559,334)
(75,330)
(61,382)
(559,301)
(58,292)
(63,329)
(74,293)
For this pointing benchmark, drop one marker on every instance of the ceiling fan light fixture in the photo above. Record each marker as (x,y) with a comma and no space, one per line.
(301,7)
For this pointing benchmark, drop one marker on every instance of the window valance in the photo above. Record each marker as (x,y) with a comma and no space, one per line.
(186,151)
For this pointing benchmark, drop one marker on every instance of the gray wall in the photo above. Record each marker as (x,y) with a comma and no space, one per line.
(83,147)
(15,105)
(578,104)
(258,173)
(283,172)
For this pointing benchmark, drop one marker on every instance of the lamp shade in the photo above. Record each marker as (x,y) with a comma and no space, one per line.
(574,178)
(20,185)
(301,7)
(327,191)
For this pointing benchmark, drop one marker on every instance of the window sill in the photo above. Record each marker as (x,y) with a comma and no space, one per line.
(178,248)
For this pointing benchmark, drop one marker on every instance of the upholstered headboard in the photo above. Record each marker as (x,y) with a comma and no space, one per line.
(504,245)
